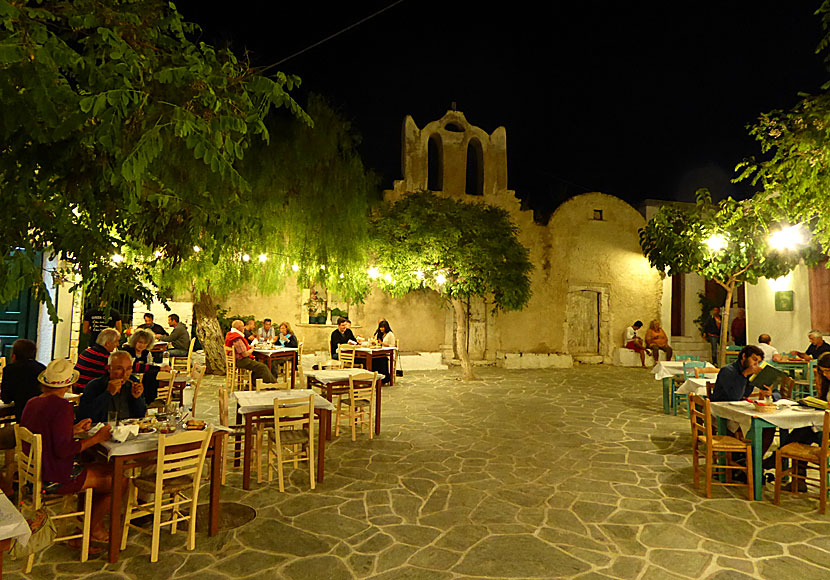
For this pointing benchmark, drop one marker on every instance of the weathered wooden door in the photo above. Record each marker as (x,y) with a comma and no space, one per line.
(583,322)
(18,319)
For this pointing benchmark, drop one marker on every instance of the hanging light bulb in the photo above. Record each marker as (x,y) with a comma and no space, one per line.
(197,249)
(263,258)
(440,278)
(716,242)
(295,267)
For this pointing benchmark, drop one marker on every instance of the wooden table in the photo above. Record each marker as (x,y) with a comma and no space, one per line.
(328,380)
(368,354)
(267,356)
(13,527)
(144,451)
(753,424)
(257,407)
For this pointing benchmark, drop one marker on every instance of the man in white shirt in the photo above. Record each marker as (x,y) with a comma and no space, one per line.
(634,342)
(770,352)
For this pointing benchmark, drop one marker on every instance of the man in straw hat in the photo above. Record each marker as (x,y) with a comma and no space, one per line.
(53,417)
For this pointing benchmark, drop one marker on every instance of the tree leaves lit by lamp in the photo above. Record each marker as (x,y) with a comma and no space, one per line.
(788,238)
(716,242)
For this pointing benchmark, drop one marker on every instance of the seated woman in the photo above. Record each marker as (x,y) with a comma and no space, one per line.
(53,417)
(286,336)
(385,337)
(139,347)
(656,340)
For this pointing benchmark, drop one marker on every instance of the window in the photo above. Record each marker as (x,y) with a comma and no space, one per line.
(597,215)
(475,168)
(453,128)
(435,164)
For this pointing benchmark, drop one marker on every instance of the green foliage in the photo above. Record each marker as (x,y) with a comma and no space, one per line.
(118,133)
(794,170)
(674,241)
(706,306)
(473,245)
(225,319)
(307,206)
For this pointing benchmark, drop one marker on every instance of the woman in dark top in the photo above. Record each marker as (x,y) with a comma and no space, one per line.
(139,347)
(287,337)
(53,418)
(20,376)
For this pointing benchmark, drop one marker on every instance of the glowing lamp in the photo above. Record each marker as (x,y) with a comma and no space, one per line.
(246,258)
(197,249)
(440,278)
(295,267)
(787,238)
(716,242)
(374,273)
(263,258)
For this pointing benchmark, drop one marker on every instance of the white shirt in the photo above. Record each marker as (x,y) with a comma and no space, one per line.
(769,351)
(630,334)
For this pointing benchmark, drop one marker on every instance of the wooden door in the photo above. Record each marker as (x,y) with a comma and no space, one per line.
(18,319)
(583,322)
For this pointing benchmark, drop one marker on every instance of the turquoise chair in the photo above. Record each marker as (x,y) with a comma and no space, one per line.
(806,386)
(688,372)
(684,357)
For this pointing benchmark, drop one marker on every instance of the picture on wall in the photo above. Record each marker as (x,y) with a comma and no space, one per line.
(784,301)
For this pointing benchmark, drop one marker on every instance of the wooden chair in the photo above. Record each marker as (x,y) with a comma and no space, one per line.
(29,468)
(181,363)
(689,368)
(236,434)
(236,379)
(2,365)
(685,357)
(713,445)
(196,382)
(786,387)
(808,454)
(710,387)
(181,458)
(806,386)
(166,381)
(292,438)
(359,403)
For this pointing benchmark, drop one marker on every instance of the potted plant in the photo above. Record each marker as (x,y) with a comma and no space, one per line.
(312,305)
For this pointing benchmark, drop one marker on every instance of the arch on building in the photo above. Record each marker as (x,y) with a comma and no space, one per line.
(435,163)
(474,184)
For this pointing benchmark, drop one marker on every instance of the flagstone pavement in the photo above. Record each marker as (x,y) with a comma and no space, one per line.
(561,473)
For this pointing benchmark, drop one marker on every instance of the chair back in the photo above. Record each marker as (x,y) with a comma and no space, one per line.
(689,368)
(29,462)
(223,406)
(166,381)
(700,415)
(786,386)
(235,378)
(196,381)
(362,386)
(684,357)
(2,365)
(346,356)
(183,364)
(296,412)
(710,387)
(825,438)
(182,455)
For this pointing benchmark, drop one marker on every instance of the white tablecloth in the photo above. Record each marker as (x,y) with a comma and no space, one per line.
(334,375)
(141,443)
(671,368)
(250,401)
(384,349)
(786,417)
(12,523)
(270,351)
(696,386)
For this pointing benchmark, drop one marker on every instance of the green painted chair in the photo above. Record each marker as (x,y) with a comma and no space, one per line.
(685,357)
(688,373)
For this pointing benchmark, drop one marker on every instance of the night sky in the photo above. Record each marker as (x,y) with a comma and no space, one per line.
(639,100)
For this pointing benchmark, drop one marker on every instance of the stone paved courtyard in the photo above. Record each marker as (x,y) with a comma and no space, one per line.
(526,474)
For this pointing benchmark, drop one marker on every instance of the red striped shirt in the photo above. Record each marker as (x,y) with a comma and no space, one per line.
(92,363)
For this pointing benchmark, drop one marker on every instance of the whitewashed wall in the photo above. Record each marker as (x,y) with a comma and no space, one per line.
(787,329)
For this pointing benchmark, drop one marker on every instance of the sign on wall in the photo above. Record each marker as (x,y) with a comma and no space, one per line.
(784,301)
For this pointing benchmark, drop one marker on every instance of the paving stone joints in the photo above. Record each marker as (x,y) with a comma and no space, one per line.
(561,473)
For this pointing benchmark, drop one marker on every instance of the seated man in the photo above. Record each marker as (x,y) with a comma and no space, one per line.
(634,342)
(179,338)
(817,346)
(51,416)
(250,330)
(770,352)
(266,333)
(657,340)
(244,354)
(341,335)
(92,363)
(20,381)
(116,391)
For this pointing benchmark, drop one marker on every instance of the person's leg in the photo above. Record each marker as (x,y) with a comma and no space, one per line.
(713,342)
(99,479)
(669,352)
(258,370)
(176,352)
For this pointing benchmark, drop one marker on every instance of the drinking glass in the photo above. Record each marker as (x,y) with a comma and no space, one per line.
(112,418)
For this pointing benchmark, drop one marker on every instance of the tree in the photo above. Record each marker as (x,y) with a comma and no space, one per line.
(726,242)
(118,129)
(305,215)
(794,171)
(461,250)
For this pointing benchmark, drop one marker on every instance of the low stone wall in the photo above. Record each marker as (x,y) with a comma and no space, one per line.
(525,360)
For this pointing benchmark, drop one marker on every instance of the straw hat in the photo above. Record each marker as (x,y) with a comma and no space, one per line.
(60,373)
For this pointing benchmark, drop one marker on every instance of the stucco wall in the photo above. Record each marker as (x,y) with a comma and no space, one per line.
(787,329)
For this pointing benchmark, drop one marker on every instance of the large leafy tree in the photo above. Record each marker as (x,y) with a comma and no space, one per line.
(117,128)
(727,242)
(305,215)
(462,250)
(793,171)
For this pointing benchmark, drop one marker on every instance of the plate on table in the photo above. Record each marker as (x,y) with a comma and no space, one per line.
(804,409)
(147,430)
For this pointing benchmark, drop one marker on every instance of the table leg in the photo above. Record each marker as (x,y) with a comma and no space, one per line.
(294,364)
(667,395)
(378,390)
(391,371)
(5,546)
(755,432)
(325,426)
(247,447)
(115,507)
(328,390)
(236,442)
(215,480)
(722,430)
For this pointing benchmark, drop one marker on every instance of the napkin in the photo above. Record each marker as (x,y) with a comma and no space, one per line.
(123,432)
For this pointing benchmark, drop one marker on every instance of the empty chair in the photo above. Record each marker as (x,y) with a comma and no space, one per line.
(29,469)
(802,456)
(174,485)
(181,363)
(196,382)
(359,403)
(166,381)
(684,357)
(713,446)
(292,438)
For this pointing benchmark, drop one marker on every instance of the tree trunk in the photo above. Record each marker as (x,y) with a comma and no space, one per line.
(461,339)
(724,324)
(209,333)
